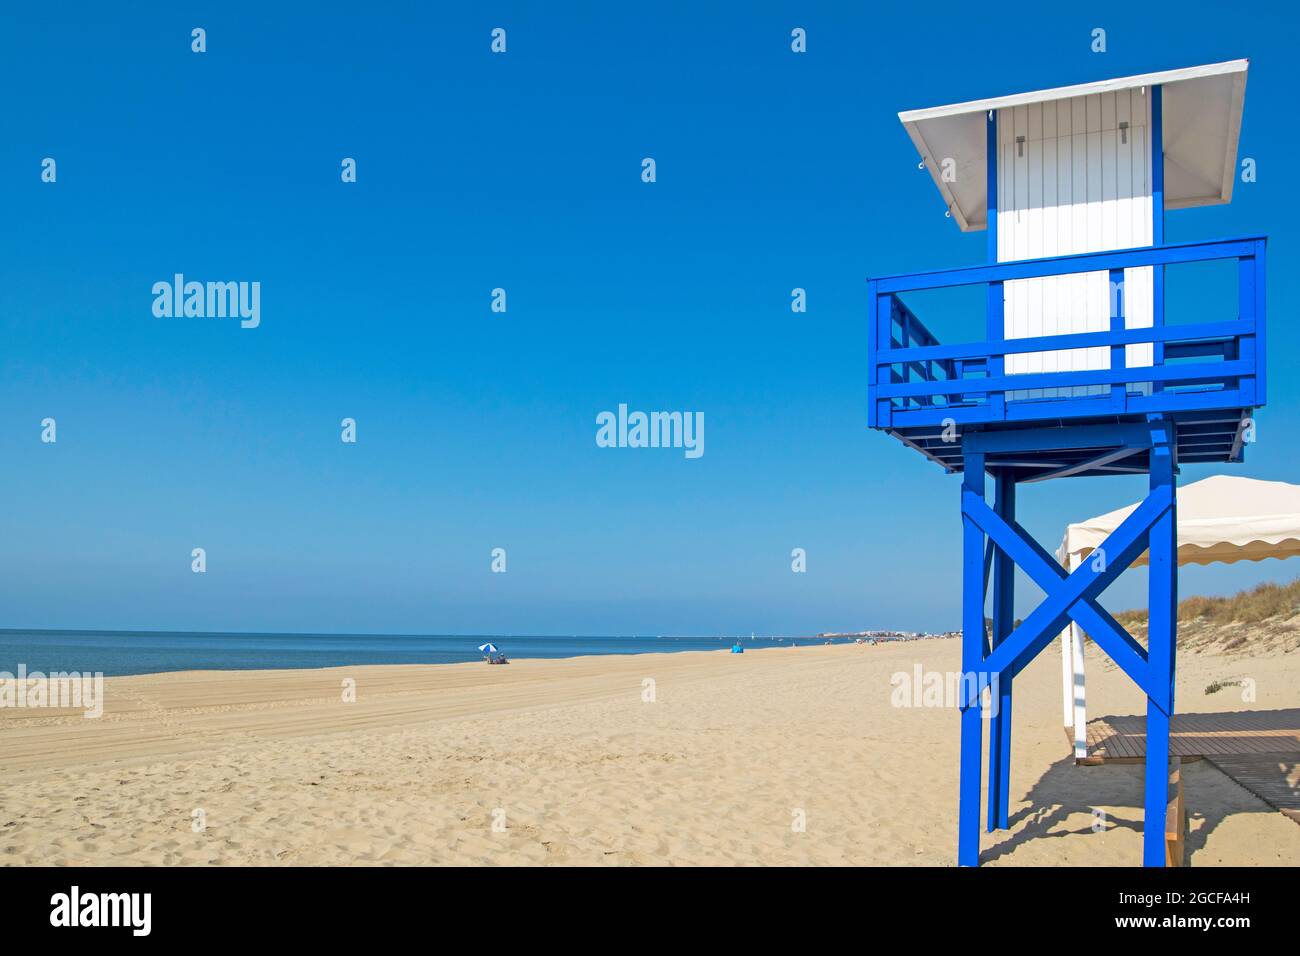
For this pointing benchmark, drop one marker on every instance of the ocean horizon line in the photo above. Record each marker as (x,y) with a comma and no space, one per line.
(177,632)
(126,652)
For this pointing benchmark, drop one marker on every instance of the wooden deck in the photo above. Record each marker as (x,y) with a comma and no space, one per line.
(1274,778)
(1197,736)
(1260,750)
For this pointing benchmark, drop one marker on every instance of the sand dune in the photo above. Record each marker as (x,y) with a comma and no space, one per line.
(576,767)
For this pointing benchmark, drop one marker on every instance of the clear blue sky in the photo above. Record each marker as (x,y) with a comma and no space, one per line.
(476,430)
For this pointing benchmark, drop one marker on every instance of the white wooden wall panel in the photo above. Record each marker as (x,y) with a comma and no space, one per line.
(1071,180)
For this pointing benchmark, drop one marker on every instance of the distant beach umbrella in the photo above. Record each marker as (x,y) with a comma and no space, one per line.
(488,648)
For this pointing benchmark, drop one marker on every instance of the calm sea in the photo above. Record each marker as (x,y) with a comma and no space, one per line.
(150,652)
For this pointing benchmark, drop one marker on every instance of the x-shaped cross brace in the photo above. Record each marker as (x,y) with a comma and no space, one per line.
(1071,595)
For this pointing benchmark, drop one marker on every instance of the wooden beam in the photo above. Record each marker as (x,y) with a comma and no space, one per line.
(1175,817)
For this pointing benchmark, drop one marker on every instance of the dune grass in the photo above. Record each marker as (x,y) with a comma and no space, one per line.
(1260,603)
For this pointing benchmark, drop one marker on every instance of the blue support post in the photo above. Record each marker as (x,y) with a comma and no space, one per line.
(972,660)
(1157,220)
(1163,610)
(884,319)
(1118,359)
(1004,504)
(1245,347)
(1158,166)
(874,347)
(994,321)
(1257,313)
(991,181)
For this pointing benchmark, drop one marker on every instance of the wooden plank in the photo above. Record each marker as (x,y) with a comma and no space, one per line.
(1194,736)
(1175,817)
(1273,777)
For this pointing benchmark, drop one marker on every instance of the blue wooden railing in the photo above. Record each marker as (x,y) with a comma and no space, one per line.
(915,381)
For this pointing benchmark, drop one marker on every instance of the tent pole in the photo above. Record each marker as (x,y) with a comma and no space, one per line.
(1073,680)
(1079,684)
(1067,678)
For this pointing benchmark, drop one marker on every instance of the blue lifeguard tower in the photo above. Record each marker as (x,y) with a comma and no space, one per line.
(1075,371)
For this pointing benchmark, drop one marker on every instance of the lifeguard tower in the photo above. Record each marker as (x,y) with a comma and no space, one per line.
(1075,370)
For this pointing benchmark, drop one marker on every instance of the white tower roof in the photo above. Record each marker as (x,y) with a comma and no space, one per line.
(1202,122)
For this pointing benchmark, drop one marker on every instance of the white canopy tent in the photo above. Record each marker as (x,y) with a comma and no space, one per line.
(1222,518)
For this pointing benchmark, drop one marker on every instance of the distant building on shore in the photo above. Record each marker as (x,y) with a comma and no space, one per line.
(888,635)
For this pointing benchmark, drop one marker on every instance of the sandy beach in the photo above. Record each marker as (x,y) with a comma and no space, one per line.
(568,762)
